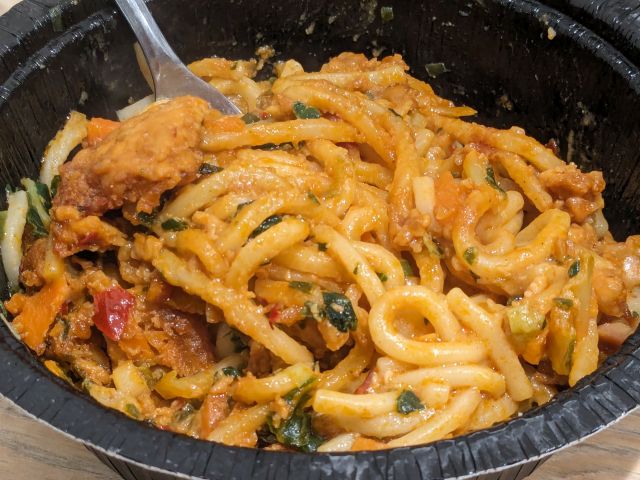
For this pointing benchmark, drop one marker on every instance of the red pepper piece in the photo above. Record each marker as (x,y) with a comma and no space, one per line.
(274,315)
(112,308)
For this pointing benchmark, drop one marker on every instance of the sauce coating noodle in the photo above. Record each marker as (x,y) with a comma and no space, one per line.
(348,265)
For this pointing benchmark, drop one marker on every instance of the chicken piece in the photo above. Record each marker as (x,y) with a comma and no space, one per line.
(579,192)
(580,209)
(357,62)
(73,233)
(626,256)
(259,360)
(189,348)
(613,334)
(610,290)
(412,231)
(84,356)
(146,156)
(32,263)
(167,337)
(568,181)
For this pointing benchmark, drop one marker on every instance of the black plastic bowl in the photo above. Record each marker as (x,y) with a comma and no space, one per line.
(500,59)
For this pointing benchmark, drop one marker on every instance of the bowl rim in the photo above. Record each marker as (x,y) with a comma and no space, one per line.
(594,403)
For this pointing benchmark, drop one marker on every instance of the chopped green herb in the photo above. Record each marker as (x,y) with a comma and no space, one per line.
(568,356)
(174,225)
(322,246)
(563,303)
(382,276)
(435,69)
(574,269)
(294,394)
(250,118)
(45,196)
(66,327)
(132,410)
(55,183)
(184,413)
(39,204)
(313,310)
(432,246)
(209,168)
(302,286)
(146,218)
(266,225)
(356,268)
(491,180)
(266,146)
(35,221)
(634,314)
(296,430)
(300,110)
(241,206)
(386,14)
(3,311)
(231,372)
(408,402)
(312,196)
(470,255)
(339,311)
(407,268)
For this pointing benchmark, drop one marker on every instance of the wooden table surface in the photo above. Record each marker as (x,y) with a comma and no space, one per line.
(30,450)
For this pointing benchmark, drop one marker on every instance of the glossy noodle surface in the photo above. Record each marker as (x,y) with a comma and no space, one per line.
(352,264)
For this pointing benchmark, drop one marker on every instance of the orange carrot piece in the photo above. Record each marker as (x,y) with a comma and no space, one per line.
(449,197)
(98,128)
(38,312)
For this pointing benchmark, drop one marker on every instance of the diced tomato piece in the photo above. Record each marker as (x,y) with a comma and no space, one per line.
(331,116)
(366,385)
(112,309)
(274,315)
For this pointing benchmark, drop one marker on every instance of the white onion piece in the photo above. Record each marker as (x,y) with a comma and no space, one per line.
(424,194)
(58,150)
(135,108)
(11,243)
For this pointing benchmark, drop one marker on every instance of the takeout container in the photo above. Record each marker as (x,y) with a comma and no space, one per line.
(516,62)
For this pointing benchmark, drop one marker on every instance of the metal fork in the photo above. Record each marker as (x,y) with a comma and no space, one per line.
(170,76)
